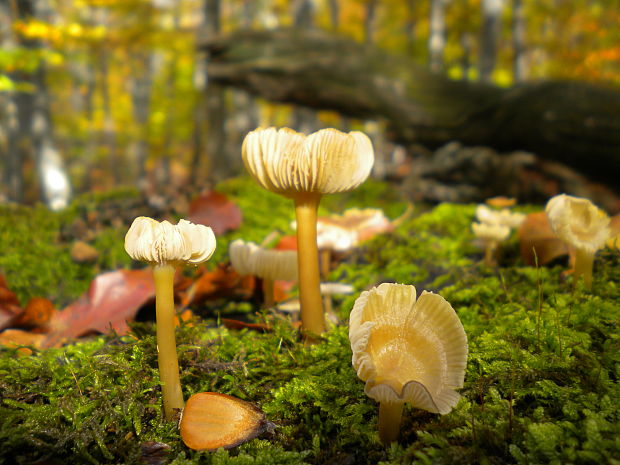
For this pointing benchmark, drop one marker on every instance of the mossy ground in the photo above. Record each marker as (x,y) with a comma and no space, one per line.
(541,383)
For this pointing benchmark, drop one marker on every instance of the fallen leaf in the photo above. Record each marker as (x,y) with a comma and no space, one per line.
(112,300)
(20,337)
(535,233)
(238,324)
(287,243)
(213,209)
(81,252)
(211,420)
(36,316)
(154,453)
(223,281)
(9,305)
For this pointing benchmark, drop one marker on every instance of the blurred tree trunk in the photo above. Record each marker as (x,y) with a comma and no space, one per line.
(141,96)
(489,38)
(334,14)
(518,41)
(31,138)
(571,122)
(303,118)
(410,27)
(370,20)
(220,163)
(437,35)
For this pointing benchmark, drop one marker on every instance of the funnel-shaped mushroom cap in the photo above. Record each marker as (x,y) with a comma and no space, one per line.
(408,350)
(250,259)
(159,243)
(490,231)
(503,217)
(325,162)
(578,222)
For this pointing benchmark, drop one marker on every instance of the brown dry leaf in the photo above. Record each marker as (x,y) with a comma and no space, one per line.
(112,300)
(213,209)
(536,233)
(238,324)
(9,305)
(221,282)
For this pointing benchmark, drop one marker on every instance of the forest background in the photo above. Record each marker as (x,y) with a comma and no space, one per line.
(102,93)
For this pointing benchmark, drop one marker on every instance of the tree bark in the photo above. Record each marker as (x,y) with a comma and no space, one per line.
(489,39)
(518,41)
(571,122)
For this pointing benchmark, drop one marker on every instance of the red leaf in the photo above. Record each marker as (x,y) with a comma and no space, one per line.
(213,209)
(9,305)
(36,316)
(112,299)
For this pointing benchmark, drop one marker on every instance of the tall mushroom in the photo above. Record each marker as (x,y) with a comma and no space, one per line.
(582,225)
(164,246)
(407,350)
(304,168)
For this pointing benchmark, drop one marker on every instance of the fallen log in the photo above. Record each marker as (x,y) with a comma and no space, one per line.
(575,123)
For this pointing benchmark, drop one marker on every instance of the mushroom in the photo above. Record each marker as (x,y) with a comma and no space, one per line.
(491,235)
(164,246)
(270,265)
(304,168)
(331,289)
(582,225)
(407,350)
(503,217)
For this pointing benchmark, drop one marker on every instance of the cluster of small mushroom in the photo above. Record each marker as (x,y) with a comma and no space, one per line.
(494,226)
(406,349)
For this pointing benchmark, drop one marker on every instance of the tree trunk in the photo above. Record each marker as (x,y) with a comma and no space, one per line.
(518,41)
(571,122)
(489,39)
(437,36)
(370,20)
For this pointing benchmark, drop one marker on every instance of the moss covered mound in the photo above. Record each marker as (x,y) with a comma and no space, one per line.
(541,384)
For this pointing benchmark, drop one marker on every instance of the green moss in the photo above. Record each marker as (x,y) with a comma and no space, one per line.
(541,384)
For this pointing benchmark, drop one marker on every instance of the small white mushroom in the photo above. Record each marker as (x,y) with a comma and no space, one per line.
(491,235)
(582,225)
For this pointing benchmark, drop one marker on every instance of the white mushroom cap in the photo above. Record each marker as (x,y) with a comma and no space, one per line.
(336,288)
(408,350)
(503,217)
(164,243)
(490,231)
(329,236)
(250,259)
(325,162)
(578,222)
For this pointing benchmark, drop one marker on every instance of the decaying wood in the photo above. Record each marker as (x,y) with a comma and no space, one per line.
(577,124)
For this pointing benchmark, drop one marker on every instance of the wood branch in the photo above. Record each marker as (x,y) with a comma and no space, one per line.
(575,123)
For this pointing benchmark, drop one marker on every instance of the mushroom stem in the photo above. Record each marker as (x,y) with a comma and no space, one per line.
(268,300)
(312,318)
(390,414)
(490,253)
(166,344)
(584,262)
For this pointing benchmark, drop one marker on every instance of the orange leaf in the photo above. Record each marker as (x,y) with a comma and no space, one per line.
(535,233)
(36,316)
(213,209)
(211,420)
(221,282)
(112,300)
(9,305)
(19,337)
(287,243)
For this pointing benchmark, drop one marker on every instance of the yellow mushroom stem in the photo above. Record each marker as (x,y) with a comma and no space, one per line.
(326,258)
(490,253)
(390,414)
(166,344)
(312,318)
(584,262)
(268,299)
